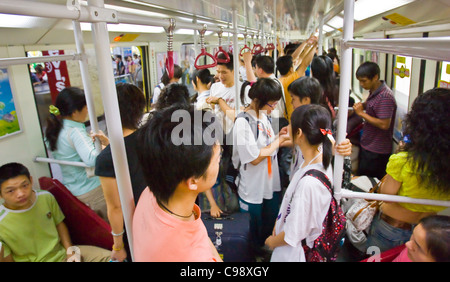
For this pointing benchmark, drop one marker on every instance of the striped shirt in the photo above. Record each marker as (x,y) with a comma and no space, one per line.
(380,104)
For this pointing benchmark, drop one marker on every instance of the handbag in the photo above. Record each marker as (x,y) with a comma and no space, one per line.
(362,211)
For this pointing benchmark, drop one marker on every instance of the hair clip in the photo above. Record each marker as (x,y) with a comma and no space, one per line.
(406,139)
(328,133)
(54,110)
(325,131)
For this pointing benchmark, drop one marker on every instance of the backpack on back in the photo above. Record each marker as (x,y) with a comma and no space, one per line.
(229,172)
(326,246)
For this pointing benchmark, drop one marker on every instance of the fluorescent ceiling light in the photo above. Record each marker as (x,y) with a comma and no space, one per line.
(127,28)
(327,28)
(136,11)
(17,21)
(189,32)
(336,22)
(368,8)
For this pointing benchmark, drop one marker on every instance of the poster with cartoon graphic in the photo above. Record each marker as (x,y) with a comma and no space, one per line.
(9,124)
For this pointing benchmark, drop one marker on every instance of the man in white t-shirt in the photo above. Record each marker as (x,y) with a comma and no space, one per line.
(225,95)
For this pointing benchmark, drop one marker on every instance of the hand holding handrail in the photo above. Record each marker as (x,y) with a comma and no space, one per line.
(203,51)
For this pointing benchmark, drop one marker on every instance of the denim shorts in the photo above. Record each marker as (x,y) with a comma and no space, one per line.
(386,236)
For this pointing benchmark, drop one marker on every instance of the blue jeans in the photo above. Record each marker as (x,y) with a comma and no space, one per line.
(262,218)
(385,236)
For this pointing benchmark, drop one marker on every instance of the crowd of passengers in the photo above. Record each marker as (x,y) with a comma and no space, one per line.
(282,131)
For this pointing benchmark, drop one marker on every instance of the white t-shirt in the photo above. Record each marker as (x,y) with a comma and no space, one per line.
(201,101)
(302,212)
(157,91)
(228,94)
(256,182)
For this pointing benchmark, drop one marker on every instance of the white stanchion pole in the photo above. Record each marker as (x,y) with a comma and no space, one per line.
(113,121)
(346,76)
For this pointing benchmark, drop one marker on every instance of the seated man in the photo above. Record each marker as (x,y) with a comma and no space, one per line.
(31,223)
(180,159)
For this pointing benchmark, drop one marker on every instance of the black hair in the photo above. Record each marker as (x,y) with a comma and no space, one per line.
(168,158)
(437,238)
(177,73)
(265,90)
(265,63)
(322,69)
(306,86)
(173,94)
(131,104)
(284,64)
(428,130)
(369,70)
(11,170)
(228,65)
(310,119)
(68,101)
(204,75)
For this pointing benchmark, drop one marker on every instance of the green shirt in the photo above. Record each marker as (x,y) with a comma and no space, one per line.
(30,235)
(401,169)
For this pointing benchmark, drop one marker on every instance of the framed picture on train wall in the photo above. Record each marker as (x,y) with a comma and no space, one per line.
(9,123)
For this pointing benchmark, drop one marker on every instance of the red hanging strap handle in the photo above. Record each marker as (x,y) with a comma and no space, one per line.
(203,52)
(169,60)
(221,50)
(245,48)
(257,48)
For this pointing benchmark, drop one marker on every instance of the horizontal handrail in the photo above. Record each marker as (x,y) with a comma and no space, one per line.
(392,198)
(4,62)
(49,160)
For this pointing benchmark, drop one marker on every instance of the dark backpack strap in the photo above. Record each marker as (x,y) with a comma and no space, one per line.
(320,176)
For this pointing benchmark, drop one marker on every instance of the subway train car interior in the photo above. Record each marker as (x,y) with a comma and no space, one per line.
(360,177)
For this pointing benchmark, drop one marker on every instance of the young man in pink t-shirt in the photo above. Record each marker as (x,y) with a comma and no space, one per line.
(167,225)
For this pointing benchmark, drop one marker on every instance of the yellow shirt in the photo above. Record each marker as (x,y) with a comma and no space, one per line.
(286,81)
(403,171)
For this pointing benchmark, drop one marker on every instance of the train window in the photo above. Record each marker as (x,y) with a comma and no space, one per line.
(444,77)
(401,88)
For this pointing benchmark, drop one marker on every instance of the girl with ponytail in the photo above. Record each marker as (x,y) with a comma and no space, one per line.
(67,140)
(307,200)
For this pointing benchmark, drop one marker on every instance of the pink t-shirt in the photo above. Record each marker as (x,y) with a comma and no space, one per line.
(160,237)
(402,257)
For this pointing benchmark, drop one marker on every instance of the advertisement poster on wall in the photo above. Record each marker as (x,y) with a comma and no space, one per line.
(57,73)
(9,123)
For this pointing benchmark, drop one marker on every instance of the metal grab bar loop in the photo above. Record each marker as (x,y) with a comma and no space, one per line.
(203,52)
(221,50)
(169,60)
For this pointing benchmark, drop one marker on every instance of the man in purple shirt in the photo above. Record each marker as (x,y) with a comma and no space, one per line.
(379,115)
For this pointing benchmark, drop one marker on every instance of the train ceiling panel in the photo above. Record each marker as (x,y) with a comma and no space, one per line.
(294,19)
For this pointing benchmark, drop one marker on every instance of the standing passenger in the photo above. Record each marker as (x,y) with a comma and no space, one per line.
(255,148)
(165,80)
(420,170)
(67,139)
(131,106)
(178,163)
(223,94)
(379,115)
(307,200)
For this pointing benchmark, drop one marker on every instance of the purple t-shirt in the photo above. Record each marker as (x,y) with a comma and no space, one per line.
(380,104)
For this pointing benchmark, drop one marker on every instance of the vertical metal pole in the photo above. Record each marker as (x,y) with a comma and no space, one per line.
(346,76)
(274,38)
(236,61)
(86,81)
(111,105)
(320,46)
